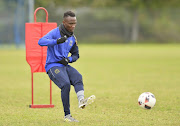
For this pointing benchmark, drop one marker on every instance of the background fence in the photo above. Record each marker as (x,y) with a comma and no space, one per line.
(95,25)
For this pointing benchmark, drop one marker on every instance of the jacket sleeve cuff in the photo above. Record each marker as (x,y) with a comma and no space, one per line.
(55,42)
(70,59)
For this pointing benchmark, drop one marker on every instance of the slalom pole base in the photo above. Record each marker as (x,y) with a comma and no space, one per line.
(41,106)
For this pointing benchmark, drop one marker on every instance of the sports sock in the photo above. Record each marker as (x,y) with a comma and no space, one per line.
(80,95)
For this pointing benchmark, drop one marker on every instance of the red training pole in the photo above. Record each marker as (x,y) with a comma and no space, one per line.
(32,87)
(50,92)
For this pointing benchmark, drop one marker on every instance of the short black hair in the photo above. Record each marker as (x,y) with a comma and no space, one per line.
(69,13)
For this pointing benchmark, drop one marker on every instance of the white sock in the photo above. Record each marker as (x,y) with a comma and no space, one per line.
(80,95)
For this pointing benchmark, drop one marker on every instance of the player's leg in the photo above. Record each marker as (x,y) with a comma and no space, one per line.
(59,76)
(76,80)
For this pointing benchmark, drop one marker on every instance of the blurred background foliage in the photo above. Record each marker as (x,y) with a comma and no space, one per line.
(99,21)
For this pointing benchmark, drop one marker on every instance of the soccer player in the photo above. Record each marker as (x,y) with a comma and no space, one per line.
(60,42)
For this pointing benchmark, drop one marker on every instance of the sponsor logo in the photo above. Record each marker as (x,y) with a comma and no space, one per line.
(70,42)
(57,71)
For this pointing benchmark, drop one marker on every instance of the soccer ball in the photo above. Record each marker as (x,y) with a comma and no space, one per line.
(147,100)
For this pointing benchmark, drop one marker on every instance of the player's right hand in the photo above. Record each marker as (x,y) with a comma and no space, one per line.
(64,61)
(62,39)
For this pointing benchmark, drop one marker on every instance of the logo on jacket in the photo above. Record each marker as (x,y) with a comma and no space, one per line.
(70,42)
(57,71)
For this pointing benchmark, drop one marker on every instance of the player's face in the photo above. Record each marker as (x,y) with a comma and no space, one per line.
(70,23)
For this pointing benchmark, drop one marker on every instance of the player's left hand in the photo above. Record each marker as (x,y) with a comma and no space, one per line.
(61,40)
(64,61)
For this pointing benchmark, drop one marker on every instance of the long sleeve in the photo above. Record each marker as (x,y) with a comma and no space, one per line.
(74,53)
(48,40)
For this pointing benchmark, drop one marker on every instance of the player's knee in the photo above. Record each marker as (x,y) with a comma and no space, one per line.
(66,86)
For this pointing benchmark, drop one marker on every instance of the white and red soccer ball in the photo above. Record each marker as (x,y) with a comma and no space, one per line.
(147,100)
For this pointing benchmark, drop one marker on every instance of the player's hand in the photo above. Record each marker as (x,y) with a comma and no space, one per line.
(64,61)
(62,39)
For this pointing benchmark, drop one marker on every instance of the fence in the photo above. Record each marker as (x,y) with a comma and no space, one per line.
(100,25)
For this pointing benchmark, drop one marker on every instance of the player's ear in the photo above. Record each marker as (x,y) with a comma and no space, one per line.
(63,22)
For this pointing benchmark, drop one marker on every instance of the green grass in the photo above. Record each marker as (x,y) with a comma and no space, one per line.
(116,74)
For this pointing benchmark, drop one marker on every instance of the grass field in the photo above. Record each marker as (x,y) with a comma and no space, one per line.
(116,74)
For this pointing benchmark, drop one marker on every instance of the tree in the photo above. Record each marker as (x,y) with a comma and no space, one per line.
(133,6)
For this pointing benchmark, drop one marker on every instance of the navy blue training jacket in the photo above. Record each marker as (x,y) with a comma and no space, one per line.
(56,52)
